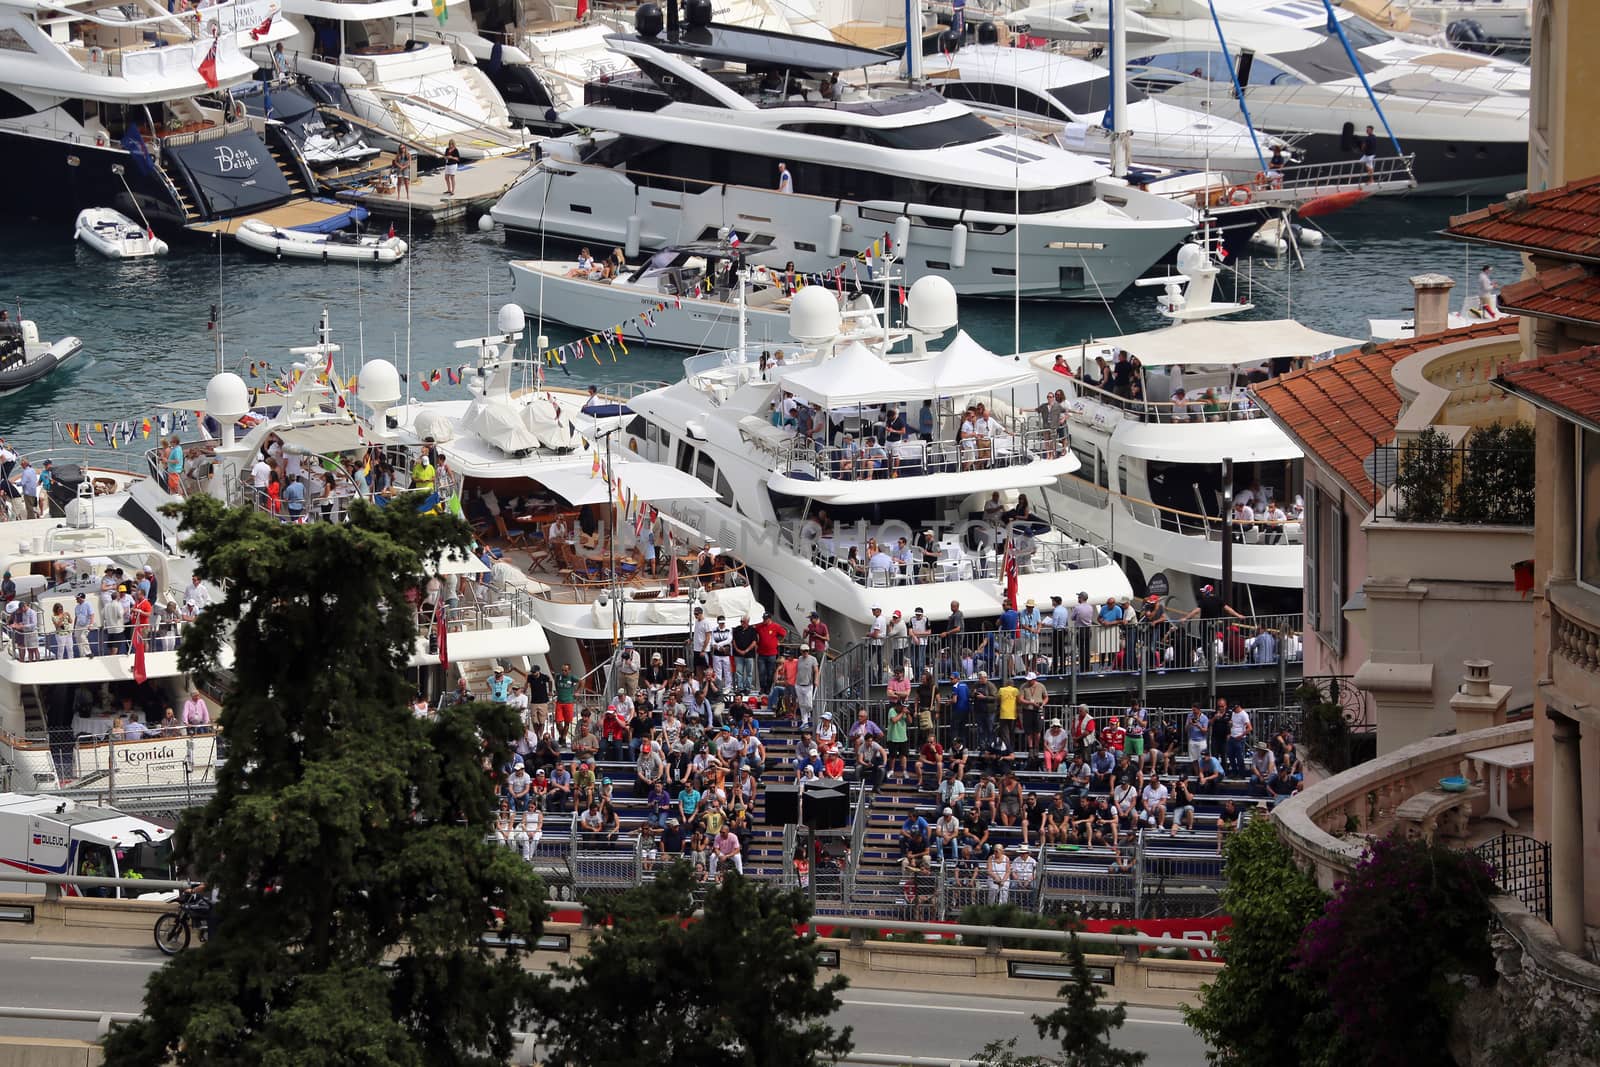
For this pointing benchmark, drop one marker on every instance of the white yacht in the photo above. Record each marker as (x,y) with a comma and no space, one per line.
(575,521)
(396,75)
(1476,25)
(733,128)
(808,512)
(1463,117)
(1069,98)
(1159,438)
(124,105)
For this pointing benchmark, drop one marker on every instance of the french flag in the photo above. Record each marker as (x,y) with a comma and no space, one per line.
(733,239)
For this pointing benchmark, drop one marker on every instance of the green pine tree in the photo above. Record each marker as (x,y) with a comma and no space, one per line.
(732,988)
(1080,1025)
(348,839)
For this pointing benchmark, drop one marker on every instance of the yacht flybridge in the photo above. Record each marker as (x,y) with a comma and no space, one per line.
(1462,116)
(125,105)
(726,128)
(1166,435)
(850,476)
(574,519)
(399,77)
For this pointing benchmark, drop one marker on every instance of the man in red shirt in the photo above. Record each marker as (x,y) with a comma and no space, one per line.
(930,764)
(1113,736)
(768,633)
(816,636)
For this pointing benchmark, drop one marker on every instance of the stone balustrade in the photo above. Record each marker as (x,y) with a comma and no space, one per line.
(1328,824)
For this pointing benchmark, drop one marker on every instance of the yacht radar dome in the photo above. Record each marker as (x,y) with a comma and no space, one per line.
(1192,260)
(512,319)
(378,385)
(227,398)
(930,305)
(698,12)
(647,20)
(814,315)
(988,33)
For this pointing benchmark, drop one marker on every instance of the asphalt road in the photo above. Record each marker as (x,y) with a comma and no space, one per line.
(884,1021)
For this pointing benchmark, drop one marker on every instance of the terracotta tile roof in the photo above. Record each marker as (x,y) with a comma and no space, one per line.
(1571,293)
(1337,410)
(1562,222)
(1567,383)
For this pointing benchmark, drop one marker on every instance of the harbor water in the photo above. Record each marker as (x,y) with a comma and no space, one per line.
(144,324)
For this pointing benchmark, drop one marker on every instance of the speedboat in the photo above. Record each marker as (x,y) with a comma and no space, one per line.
(1172,434)
(685,296)
(724,127)
(1471,25)
(115,236)
(25,359)
(339,245)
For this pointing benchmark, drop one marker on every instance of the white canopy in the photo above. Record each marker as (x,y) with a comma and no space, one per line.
(1242,440)
(1217,342)
(853,376)
(654,482)
(964,366)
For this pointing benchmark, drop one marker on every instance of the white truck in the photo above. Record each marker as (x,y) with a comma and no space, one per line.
(54,835)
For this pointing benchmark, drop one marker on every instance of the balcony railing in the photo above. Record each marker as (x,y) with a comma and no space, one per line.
(1432,481)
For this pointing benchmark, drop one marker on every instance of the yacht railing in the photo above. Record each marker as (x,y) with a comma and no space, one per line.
(1289,531)
(805,458)
(1156,80)
(485,607)
(43,642)
(1234,406)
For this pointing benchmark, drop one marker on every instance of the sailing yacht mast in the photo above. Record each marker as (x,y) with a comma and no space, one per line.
(1116,113)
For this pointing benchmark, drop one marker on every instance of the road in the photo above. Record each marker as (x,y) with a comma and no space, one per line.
(884,1021)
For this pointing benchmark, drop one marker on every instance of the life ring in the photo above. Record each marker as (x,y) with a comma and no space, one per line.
(1239,195)
(1261,179)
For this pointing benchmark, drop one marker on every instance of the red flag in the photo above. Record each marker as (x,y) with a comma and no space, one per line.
(139,674)
(583,8)
(444,651)
(1009,570)
(208,67)
(261,30)
(672,569)
(391,230)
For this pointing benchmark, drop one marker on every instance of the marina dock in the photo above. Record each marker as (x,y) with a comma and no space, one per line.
(306,211)
(479,183)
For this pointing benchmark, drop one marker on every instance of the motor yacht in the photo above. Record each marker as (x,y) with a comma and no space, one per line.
(832,519)
(1463,117)
(384,61)
(1472,25)
(125,106)
(1166,435)
(545,481)
(724,128)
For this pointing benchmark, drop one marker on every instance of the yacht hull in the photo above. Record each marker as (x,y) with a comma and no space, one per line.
(1092,255)
(51,180)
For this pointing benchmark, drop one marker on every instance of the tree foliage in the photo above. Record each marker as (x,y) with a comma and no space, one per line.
(1393,946)
(1080,1025)
(1261,1011)
(732,988)
(348,839)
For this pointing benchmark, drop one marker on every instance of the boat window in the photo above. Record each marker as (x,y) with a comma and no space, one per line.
(1362,33)
(725,491)
(941,133)
(1091,96)
(1212,66)
(635,427)
(1326,62)
(685,457)
(706,470)
(1092,466)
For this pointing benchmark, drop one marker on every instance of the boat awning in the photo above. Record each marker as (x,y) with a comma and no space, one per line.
(1243,441)
(853,376)
(455,563)
(964,366)
(655,482)
(321,438)
(950,483)
(1215,342)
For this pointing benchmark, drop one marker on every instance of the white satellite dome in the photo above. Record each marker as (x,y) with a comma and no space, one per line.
(511,319)
(378,385)
(227,397)
(433,424)
(1191,259)
(814,315)
(931,305)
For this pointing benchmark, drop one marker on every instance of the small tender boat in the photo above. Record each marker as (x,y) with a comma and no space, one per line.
(24,359)
(115,236)
(340,244)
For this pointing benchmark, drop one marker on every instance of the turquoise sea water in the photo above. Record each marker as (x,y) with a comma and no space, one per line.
(145,338)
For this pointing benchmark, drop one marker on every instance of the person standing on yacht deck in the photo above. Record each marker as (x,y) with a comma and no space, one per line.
(83,625)
(785,179)
(1488,292)
(1369,153)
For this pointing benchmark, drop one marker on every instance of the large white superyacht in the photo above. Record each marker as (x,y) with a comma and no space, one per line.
(723,128)
(1168,437)
(847,479)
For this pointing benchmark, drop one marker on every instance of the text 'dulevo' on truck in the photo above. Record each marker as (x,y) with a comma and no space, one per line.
(54,835)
